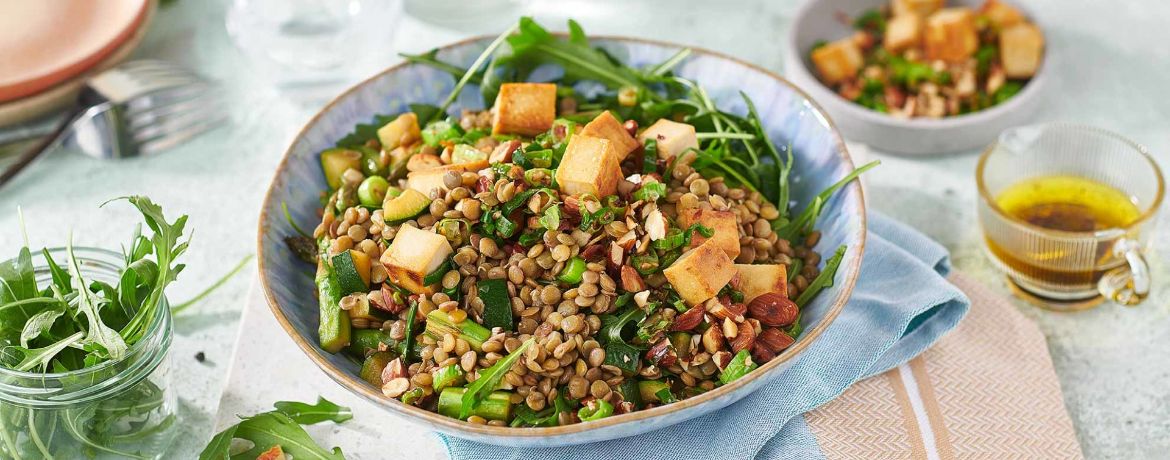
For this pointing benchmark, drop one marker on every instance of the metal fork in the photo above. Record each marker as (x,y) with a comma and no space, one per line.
(137,108)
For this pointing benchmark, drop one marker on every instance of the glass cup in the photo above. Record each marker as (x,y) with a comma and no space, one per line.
(1066,268)
(115,410)
(311,49)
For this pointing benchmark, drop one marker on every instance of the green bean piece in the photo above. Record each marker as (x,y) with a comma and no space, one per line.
(496,406)
(439,323)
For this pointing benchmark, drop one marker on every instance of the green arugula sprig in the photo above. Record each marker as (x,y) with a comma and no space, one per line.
(281,427)
(75,323)
(489,379)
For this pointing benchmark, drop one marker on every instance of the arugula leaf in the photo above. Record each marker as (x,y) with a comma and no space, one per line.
(98,333)
(431,59)
(365,132)
(489,379)
(167,249)
(309,414)
(17,279)
(525,416)
(214,286)
(39,324)
(467,76)
(803,223)
(824,279)
(579,60)
(30,359)
(281,427)
(277,429)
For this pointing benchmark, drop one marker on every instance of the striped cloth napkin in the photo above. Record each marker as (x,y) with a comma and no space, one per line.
(870,388)
(986,390)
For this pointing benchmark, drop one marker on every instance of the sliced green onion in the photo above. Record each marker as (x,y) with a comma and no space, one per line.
(595,410)
(573,270)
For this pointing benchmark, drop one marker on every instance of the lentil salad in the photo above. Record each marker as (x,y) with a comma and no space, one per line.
(563,256)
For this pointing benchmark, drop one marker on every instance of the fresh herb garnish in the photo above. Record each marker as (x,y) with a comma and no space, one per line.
(489,379)
(824,279)
(281,427)
(803,223)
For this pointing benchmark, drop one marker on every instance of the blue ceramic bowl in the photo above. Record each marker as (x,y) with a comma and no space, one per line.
(790,116)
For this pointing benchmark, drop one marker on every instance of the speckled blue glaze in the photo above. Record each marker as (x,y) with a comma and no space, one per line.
(789,116)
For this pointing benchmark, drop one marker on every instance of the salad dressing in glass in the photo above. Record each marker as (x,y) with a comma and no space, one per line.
(1064,203)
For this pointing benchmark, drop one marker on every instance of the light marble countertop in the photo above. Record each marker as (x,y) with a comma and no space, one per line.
(1112,67)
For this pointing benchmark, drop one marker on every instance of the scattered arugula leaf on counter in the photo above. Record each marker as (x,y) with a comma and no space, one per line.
(281,427)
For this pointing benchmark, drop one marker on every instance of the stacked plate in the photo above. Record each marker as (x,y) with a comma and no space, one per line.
(49,48)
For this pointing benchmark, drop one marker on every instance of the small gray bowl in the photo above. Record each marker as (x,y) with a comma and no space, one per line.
(817,20)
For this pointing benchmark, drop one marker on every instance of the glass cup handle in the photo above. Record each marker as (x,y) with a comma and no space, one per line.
(1128,285)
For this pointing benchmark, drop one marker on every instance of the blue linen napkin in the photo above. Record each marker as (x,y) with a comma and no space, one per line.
(901,305)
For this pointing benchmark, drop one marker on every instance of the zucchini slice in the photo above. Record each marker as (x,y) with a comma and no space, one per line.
(409,204)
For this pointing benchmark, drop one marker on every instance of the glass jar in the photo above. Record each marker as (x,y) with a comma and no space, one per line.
(117,409)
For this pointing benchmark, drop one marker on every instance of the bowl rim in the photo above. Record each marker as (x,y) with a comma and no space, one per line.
(450,425)
(1026,95)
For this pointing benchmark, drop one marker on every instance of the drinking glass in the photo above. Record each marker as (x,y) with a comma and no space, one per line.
(1064,267)
(315,46)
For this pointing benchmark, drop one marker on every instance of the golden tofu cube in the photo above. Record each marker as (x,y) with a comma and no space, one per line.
(950,35)
(838,61)
(607,127)
(1020,49)
(402,131)
(526,109)
(724,223)
(903,32)
(673,138)
(413,255)
(1000,14)
(590,165)
(755,280)
(922,8)
(699,274)
(430,179)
